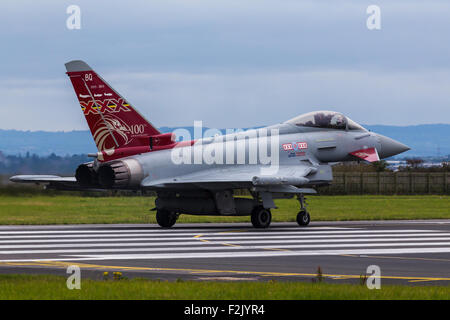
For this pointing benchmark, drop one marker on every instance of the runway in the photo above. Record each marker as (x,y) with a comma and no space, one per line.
(413,252)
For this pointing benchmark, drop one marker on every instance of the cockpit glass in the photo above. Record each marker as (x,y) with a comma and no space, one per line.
(352,125)
(325,119)
(321,119)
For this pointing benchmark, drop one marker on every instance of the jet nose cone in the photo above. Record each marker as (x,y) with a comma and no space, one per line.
(389,147)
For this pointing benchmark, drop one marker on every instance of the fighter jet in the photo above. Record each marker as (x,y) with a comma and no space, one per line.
(200,176)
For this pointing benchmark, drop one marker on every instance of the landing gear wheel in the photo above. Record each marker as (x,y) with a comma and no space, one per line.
(261,217)
(166,218)
(303,218)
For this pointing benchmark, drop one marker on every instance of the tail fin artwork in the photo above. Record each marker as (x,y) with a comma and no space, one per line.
(113,122)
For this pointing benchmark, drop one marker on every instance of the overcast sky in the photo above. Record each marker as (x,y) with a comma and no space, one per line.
(232,63)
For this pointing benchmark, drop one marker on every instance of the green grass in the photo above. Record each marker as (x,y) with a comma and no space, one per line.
(54,287)
(76,209)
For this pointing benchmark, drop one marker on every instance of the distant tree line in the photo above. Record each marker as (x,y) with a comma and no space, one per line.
(33,164)
(412,164)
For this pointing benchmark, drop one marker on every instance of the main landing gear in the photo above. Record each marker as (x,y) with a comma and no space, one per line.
(261,217)
(166,218)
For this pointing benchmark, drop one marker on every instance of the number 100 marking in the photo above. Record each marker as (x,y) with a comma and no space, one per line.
(137,129)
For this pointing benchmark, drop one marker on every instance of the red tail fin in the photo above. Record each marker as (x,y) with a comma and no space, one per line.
(113,122)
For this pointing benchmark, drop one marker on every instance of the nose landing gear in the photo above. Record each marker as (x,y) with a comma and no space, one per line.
(303,218)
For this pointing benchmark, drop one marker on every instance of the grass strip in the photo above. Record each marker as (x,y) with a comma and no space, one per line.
(48,287)
(78,210)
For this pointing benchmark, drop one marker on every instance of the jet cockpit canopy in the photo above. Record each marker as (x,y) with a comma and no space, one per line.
(325,120)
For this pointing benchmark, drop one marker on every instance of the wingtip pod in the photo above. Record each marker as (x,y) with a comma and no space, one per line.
(77,65)
(33,178)
(14,179)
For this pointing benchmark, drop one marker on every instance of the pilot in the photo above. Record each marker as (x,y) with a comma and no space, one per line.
(338,121)
(321,120)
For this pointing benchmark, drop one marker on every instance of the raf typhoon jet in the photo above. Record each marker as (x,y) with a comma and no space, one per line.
(200,175)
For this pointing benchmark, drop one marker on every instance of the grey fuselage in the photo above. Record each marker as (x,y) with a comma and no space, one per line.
(318,148)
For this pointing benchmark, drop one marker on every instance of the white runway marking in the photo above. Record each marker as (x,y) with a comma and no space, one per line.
(193,242)
(175,230)
(256,254)
(218,248)
(248,254)
(208,243)
(224,237)
(175,234)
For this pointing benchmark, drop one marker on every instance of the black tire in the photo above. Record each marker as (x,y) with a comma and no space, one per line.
(261,217)
(166,218)
(303,218)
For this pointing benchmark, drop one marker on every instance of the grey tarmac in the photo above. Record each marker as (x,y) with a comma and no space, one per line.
(413,252)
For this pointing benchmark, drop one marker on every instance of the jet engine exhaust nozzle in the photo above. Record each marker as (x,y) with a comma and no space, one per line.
(124,173)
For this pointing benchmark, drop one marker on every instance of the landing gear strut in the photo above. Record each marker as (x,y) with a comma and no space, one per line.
(166,218)
(261,217)
(303,217)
